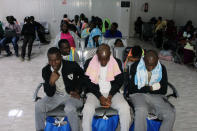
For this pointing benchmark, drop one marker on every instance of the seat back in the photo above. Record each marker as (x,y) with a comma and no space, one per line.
(81,43)
(89,53)
(111,41)
(46,26)
(118,53)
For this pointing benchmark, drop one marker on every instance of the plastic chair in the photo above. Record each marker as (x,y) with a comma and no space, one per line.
(111,41)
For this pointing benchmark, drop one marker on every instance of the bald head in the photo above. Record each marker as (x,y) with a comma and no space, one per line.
(151,60)
(103,54)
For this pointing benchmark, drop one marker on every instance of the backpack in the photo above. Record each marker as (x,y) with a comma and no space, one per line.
(55,124)
(10,33)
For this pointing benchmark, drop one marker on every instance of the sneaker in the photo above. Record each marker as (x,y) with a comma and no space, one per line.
(9,54)
(29,58)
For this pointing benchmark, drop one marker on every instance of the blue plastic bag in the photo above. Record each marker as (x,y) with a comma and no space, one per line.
(105,123)
(52,124)
(152,125)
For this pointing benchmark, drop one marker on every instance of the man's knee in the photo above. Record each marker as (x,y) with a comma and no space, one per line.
(124,107)
(141,111)
(40,107)
(69,109)
(169,114)
(88,108)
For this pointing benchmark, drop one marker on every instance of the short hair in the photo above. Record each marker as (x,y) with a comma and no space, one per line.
(137,51)
(63,41)
(64,23)
(103,47)
(32,17)
(65,16)
(86,20)
(53,50)
(151,53)
(160,18)
(115,24)
(117,40)
(27,19)
(82,16)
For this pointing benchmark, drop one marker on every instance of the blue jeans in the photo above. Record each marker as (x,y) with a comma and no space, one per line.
(5,41)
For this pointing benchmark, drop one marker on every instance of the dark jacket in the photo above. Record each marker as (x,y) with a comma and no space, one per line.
(28,30)
(115,84)
(38,27)
(1,31)
(68,67)
(117,34)
(146,89)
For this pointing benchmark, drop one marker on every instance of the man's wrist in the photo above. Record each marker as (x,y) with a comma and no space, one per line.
(52,83)
(110,97)
(101,97)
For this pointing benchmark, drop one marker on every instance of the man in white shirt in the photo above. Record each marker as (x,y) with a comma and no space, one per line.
(106,78)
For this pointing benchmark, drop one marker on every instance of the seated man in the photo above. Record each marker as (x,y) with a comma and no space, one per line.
(62,81)
(118,43)
(94,39)
(147,89)
(40,30)
(106,25)
(106,78)
(12,34)
(134,55)
(113,32)
(67,52)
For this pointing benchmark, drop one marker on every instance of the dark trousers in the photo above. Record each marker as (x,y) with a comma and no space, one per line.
(27,40)
(41,36)
(159,39)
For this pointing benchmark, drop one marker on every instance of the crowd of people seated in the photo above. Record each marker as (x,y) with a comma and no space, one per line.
(167,36)
(11,33)
(101,78)
(91,30)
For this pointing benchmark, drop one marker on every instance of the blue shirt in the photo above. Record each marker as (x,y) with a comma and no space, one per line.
(109,35)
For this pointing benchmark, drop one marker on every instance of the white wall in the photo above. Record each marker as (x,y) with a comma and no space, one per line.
(179,10)
(111,9)
(156,8)
(186,10)
(44,10)
(106,9)
(53,10)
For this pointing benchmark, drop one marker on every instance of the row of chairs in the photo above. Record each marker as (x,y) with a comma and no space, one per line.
(86,53)
(148,33)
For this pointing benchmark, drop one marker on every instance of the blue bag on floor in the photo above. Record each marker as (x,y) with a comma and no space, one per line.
(105,123)
(53,124)
(152,125)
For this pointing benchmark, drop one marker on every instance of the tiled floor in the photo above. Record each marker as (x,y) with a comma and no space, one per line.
(18,81)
